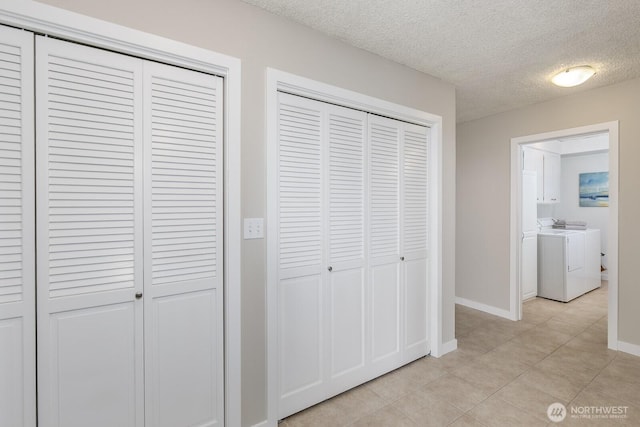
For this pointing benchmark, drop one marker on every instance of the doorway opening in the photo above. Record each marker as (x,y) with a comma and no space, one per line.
(579,150)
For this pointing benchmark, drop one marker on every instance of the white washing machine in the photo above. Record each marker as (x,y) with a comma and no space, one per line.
(568,263)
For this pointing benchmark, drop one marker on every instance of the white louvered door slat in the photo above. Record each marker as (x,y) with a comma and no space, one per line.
(89,165)
(183,247)
(345,290)
(415,239)
(17,231)
(384,245)
(300,255)
(415,232)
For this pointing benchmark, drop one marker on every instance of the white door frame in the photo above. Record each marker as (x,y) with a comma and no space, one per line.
(70,26)
(515,306)
(282,81)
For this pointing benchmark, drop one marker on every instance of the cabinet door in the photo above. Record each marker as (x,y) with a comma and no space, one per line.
(384,243)
(551,177)
(301,265)
(183,292)
(89,224)
(415,192)
(345,308)
(17,224)
(529,267)
(534,161)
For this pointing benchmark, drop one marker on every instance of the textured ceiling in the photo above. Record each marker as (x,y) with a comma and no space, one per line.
(500,54)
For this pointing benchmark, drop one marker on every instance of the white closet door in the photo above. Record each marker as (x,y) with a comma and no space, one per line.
(17,224)
(352,248)
(89,163)
(300,253)
(384,244)
(345,293)
(183,247)
(415,146)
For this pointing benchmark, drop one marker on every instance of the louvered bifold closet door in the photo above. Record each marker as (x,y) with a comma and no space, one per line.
(345,289)
(89,225)
(384,243)
(183,247)
(300,255)
(17,228)
(415,237)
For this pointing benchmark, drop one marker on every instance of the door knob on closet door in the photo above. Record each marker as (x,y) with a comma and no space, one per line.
(401,258)
(138,295)
(330,268)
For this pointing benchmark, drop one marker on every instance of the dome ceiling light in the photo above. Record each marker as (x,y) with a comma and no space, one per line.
(573,76)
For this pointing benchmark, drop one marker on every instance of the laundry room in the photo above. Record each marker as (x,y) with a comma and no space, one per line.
(564,252)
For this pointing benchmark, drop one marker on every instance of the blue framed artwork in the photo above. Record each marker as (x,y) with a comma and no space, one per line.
(594,189)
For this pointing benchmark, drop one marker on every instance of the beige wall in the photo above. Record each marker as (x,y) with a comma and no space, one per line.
(262,40)
(483,192)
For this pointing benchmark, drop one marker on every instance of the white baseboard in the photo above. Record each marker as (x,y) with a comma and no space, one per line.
(264,423)
(629,348)
(449,346)
(604,275)
(483,307)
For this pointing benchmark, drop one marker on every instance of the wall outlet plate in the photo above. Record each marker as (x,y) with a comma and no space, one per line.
(254,228)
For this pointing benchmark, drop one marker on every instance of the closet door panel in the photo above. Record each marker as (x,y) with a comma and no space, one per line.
(347,323)
(345,308)
(415,192)
(300,331)
(301,266)
(300,218)
(184,371)
(416,308)
(94,345)
(384,241)
(17,228)
(13,369)
(415,239)
(89,218)
(183,247)
(385,289)
(384,187)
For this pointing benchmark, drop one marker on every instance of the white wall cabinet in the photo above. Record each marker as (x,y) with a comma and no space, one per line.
(129,244)
(552,177)
(533,160)
(352,239)
(547,167)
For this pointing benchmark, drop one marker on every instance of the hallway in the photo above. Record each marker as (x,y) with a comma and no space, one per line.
(504,373)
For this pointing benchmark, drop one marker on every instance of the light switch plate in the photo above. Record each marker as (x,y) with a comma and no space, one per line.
(254,228)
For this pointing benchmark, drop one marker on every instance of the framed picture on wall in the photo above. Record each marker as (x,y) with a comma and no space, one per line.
(594,189)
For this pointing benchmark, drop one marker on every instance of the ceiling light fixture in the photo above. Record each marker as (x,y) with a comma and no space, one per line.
(573,76)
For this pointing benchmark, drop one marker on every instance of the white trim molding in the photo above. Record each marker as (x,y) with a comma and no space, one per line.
(626,347)
(279,81)
(56,22)
(484,307)
(516,227)
(449,346)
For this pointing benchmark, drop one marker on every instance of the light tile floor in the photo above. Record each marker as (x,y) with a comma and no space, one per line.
(504,373)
